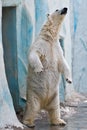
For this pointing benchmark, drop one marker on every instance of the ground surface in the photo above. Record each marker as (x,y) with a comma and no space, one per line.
(77,121)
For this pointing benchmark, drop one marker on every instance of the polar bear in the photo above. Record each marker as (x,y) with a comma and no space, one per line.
(46,63)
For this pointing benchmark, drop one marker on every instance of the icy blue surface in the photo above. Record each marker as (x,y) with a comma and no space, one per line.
(31,21)
(23,48)
(7,42)
(9,37)
(80,46)
(41,9)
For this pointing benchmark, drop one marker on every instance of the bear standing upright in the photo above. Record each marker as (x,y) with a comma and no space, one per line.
(46,63)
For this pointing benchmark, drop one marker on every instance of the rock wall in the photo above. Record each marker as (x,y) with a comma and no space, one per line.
(7,112)
(30,16)
(80,45)
(34,14)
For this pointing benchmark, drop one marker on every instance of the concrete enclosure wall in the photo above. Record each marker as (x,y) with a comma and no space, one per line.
(32,20)
(79,45)
(26,21)
(21,23)
(7,112)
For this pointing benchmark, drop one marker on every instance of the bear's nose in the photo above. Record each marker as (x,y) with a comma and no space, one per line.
(64,10)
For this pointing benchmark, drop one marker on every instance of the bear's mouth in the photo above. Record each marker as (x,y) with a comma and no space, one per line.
(64,11)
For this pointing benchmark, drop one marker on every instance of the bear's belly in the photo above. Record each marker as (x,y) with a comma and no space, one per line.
(44,84)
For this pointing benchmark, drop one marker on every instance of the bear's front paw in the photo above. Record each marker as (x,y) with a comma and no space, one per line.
(58,122)
(69,81)
(39,69)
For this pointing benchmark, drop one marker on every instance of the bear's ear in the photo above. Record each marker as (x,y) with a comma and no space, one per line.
(49,18)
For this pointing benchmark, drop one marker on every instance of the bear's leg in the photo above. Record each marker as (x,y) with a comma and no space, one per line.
(54,111)
(55,118)
(31,110)
(64,68)
(35,62)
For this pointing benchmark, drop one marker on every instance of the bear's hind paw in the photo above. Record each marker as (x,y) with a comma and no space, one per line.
(58,122)
(27,124)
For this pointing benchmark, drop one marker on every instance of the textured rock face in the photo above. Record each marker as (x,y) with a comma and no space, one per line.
(7,112)
(32,21)
(80,46)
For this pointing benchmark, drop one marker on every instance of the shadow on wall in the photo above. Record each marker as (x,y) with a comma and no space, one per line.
(9,39)
(23,48)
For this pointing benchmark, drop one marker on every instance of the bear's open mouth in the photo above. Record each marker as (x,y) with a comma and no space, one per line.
(64,11)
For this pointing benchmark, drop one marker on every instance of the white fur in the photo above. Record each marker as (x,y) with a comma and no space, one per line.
(46,63)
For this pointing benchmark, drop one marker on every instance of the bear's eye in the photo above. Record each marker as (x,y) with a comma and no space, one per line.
(57,10)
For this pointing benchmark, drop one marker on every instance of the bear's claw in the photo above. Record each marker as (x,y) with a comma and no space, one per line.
(69,81)
(30,126)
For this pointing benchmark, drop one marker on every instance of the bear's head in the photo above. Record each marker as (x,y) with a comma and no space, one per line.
(57,17)
(51,28)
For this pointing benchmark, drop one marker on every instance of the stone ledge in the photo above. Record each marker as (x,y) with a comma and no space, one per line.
(6,3)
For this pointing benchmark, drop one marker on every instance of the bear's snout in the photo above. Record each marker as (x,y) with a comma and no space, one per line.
(64,11)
